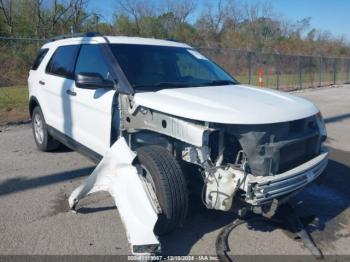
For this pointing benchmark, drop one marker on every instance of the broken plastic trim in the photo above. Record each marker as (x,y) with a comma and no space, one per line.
(278,147)
(116,175)
(264,189)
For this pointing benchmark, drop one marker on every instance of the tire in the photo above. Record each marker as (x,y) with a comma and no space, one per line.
(45,142)
(169,185)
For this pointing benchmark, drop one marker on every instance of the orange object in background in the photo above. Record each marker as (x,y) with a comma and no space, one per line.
(261,75)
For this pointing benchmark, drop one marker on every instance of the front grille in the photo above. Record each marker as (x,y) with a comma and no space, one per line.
(295,154)
(264,190)
(274,148)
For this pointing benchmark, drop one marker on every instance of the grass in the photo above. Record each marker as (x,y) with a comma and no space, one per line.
(13,104)
(289,82)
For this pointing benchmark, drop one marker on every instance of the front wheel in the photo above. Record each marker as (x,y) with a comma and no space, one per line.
(163,172)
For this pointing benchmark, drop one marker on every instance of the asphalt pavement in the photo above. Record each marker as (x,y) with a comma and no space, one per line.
(35,220)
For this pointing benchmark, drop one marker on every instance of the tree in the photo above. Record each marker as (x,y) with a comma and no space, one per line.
(6,7)
(180,10)
(136,10)
(222,23)
(78,14)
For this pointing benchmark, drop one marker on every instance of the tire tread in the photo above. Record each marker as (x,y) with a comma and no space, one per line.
(172,183)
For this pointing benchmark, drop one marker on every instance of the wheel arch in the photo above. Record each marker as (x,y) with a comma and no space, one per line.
(150,138)
(170,186)
(33,102)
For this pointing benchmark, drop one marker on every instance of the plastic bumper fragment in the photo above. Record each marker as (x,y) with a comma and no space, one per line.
(265,189)
(116,175)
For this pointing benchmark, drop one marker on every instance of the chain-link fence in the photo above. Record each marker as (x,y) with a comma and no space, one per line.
(280,71)
(284,72)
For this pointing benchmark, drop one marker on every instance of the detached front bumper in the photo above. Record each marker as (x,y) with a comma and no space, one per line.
(263,189)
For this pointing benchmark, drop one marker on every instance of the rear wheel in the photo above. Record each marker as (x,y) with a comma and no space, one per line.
(161,170)
(42,138)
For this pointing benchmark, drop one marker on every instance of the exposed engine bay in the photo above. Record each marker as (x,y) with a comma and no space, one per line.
(255,163)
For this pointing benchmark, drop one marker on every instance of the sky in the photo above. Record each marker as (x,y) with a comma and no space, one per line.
(326,15)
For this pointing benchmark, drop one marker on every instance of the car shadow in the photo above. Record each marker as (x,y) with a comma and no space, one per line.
(329,200)
(336,118)
(199,222)
(87,210)
(19,184)
(62,149)
(326,199)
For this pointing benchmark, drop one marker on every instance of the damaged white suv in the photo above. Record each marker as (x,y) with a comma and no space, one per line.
(192,125)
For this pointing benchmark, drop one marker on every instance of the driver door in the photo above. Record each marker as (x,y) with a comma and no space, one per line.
(92,108)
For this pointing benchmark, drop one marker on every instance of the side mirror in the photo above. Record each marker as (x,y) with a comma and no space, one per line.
(92,81)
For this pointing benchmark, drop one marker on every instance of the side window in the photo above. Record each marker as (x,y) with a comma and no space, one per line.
(42,53)
(62,61)
(91,60)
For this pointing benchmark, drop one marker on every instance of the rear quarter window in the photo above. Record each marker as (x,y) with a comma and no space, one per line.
(42,53)
(62,61)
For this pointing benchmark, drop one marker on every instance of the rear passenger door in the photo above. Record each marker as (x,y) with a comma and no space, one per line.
(92,109)
(56,83)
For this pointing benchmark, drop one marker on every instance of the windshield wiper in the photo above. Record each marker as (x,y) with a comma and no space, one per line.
(161,85)
(219,83)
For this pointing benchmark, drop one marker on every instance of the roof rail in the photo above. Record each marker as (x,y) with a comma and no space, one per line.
(172,40)
(88,34)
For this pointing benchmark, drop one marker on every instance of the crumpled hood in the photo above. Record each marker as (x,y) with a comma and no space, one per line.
(230,104)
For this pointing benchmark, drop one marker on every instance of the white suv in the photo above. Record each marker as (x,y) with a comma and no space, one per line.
(193,126)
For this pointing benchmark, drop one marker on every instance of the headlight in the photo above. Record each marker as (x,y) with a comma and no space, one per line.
(321,126)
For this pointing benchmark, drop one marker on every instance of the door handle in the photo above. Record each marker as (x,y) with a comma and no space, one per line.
(41,82)
(71,93)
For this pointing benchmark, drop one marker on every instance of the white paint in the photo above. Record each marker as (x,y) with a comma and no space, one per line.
(86,117)
(115,40)
(116,175)
(91,116)
(197,54)
(231,104)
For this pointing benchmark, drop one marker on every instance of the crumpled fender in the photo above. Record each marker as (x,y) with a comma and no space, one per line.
(116,175)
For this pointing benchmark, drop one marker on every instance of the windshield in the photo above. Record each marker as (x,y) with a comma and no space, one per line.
(150,68)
